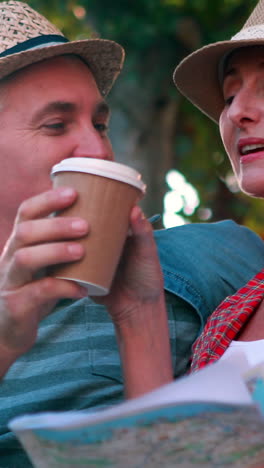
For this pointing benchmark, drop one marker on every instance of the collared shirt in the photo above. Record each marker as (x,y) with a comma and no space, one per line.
(226,322)
(76,365)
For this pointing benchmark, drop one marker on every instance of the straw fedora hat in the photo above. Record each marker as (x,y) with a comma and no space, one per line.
(198,75)
(26,37)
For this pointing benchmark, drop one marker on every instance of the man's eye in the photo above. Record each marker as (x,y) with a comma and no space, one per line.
(55,126)
(101,127)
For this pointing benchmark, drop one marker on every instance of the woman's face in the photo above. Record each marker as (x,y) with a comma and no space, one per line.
(242,119)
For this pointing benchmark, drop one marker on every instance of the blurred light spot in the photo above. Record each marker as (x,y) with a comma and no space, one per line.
(175,180)
(191,198)
(218,157)
(79,12)
(173,202)
(172,219)
(181,197)
(231,183)
(205,214)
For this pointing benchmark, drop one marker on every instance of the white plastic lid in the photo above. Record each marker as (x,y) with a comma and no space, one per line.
(110,169)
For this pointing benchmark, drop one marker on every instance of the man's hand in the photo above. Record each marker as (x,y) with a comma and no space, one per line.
(37,241)
(137,306)
(138,278)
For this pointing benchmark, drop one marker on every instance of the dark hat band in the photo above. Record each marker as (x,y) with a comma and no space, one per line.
(34,43)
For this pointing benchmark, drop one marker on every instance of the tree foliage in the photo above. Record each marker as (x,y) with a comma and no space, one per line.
(154,128)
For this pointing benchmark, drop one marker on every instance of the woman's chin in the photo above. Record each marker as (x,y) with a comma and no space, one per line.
(251,181)
(253,190)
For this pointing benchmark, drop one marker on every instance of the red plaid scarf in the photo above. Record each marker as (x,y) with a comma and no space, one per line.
(226,322)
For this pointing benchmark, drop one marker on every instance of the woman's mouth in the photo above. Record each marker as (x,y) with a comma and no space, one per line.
(250,151)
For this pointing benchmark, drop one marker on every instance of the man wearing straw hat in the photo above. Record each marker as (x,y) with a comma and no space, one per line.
(52,107)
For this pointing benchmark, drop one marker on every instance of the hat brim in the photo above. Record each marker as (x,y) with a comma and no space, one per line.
(105,59)
(197,76)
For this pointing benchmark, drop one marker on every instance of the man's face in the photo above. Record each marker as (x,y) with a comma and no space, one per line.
(48,112)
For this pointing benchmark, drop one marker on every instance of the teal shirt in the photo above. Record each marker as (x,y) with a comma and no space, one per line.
(75,362)
(76,365)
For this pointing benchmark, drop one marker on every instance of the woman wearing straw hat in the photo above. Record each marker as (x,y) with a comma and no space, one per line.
(229,88)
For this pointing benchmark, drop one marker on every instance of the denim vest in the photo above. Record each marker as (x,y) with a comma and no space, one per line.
(204,263)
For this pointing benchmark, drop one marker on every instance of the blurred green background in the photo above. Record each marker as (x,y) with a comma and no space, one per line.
(153,128)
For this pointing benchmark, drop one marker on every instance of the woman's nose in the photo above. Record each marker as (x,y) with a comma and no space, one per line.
(92,144)
(244,109)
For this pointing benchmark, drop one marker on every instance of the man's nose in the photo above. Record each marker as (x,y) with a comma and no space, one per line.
(91,144)
(244,109)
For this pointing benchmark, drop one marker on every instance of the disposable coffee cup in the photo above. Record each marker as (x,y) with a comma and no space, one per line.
(107,191)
